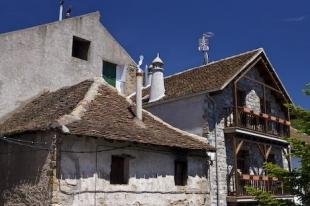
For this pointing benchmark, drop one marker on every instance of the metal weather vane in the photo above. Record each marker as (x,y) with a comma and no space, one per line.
(204,45)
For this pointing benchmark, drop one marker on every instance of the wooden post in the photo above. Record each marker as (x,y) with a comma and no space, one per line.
(235,104)
(265,109)
(235,165)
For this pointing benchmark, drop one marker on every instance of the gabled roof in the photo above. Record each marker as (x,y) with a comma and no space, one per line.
(93,108)
(212,77)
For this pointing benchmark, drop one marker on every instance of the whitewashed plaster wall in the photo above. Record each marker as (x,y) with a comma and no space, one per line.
(186,113)
(40,58)
(84,178)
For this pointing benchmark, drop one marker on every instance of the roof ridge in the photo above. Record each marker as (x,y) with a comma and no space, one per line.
(224,59)
(245,65)
(51,23)
(80,109)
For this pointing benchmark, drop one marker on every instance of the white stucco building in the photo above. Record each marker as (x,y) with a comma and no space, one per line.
(57,54)
(83,145)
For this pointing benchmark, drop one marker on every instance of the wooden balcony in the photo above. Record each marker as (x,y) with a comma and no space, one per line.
(265,183)
(259,122)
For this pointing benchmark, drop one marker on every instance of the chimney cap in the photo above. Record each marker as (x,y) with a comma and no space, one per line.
(157,61)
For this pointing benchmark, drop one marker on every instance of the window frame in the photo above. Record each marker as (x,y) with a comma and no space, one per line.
(110,66)
(80,48)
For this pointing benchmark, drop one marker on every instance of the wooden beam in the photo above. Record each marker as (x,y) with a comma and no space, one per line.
(239,146)
(268,150)
(264,84)
(235,98)
(248,69)
(261,150)
(277,82)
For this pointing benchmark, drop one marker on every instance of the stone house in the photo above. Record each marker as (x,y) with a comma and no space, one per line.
(57,54)
(84,145)
(237,104)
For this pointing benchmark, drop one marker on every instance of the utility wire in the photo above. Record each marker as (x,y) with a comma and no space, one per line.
(38,148)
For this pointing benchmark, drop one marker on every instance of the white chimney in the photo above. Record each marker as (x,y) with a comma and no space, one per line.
(61,8)
(157,82)
(139,74)
(146,76)
(149,74)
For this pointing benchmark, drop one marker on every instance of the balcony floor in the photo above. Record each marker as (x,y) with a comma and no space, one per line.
(240,199)
(259,135)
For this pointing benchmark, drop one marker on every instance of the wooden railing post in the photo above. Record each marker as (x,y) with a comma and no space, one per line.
(235,104)
(235,165)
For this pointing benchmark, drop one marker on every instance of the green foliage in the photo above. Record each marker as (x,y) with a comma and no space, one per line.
(300,119)
(264,198)
(307,89)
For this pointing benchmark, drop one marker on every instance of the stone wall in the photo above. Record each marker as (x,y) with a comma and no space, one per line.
(25,170)
(40,58)
(84,175)
(216,119)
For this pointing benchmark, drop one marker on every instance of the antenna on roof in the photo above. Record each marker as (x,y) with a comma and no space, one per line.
(68,12)
(204,45)
(61,8)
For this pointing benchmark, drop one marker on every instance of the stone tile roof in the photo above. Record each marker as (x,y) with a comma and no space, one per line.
(211,77)
(301,136)
(93,108)
(41,112)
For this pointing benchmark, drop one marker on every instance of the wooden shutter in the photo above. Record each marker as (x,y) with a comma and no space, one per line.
(109,72)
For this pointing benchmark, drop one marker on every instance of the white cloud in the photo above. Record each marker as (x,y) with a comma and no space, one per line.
(295,19)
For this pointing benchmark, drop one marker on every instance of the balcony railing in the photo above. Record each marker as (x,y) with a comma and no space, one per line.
(265,183)
(260,122)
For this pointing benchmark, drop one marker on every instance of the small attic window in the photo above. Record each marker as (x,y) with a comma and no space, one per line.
(80,48)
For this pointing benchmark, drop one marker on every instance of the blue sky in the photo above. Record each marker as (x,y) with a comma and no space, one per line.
(172,27)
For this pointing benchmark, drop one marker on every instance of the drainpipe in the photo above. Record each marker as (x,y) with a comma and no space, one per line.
(139,75)
(216,154)
(139,94)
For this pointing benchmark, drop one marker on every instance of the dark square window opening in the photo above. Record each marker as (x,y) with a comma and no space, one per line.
(80,48)
(243,161)
(119,170)
(180,173)
(271,159)
(262,104)
(241,96)
(268,107)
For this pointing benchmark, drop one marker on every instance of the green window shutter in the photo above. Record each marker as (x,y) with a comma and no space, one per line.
(109,73)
